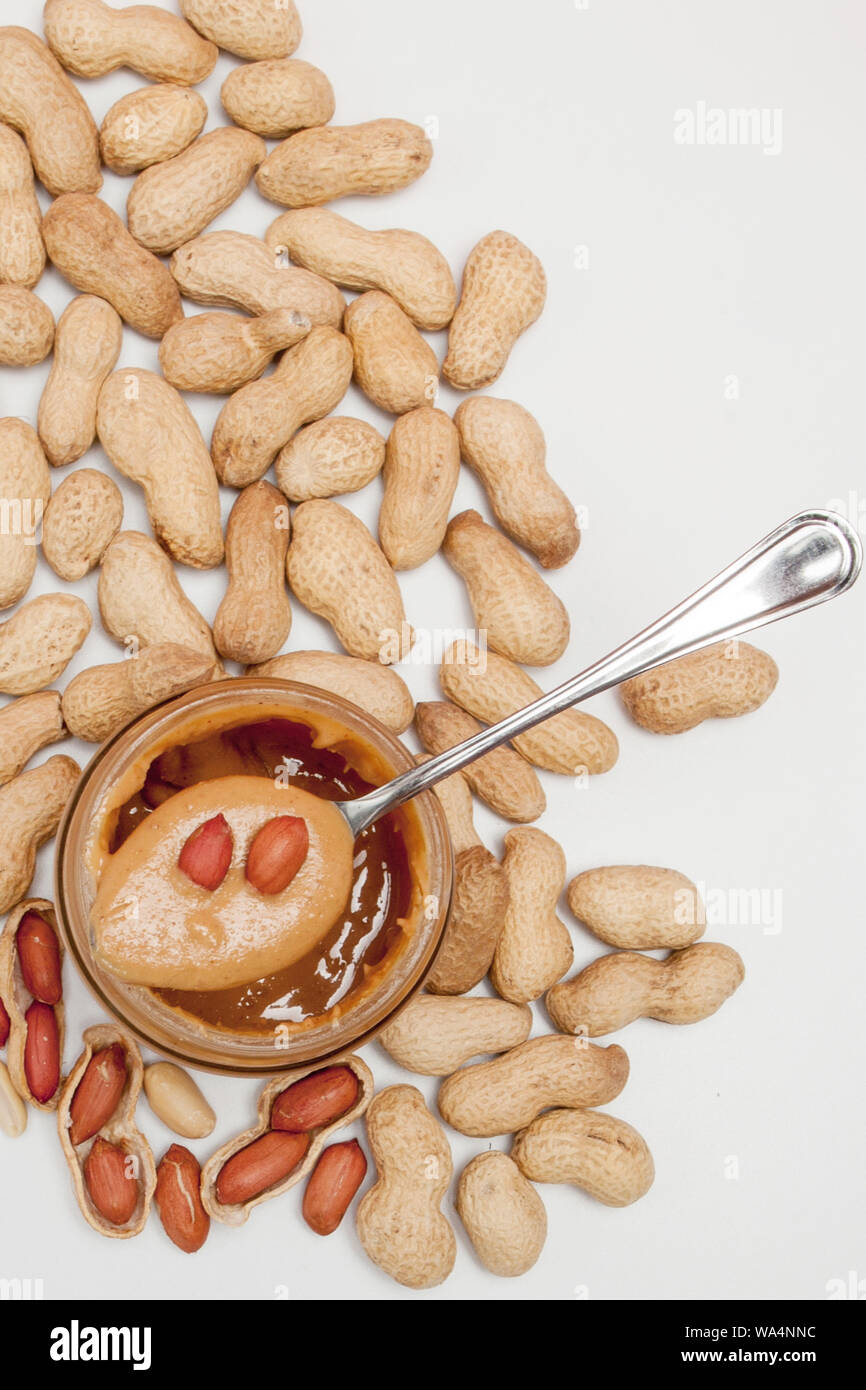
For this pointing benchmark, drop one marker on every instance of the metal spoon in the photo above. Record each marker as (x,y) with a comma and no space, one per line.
(813,557)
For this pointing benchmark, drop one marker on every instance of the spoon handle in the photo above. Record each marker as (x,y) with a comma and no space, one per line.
(807,560)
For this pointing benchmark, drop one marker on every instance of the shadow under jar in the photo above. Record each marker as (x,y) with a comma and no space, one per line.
(363,967)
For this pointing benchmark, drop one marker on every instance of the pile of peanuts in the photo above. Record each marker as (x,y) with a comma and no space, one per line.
(290,540)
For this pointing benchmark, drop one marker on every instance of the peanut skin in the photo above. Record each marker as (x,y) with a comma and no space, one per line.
(221,352)
(25,487)
(329,458)
(40,639)
(614,990)
(22,253)
(596,1152)
(433,1035)
(328,162)
(502,777)
(638,908)
(277,97)
(239,272)
(534,947)
(141,600)
(375,688)
(524,619)
(336,569)
(37,98)
(405,265)
(26,327)
(504,445)
(503,1214)
(505,1095)
(422,468)
(259,419)
(399,1222)
(248,28)
(720,682)
(491,687)
(93,250)
(86,348)
(254,618)
(150,125)
(171,203)
(394,366)
(26,725)
(92,39)
(81,520)
(151,437)
(504,289)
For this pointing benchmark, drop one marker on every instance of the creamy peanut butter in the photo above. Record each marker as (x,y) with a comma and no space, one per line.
(153,926)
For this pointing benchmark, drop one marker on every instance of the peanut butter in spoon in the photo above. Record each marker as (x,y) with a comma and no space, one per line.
(153,926)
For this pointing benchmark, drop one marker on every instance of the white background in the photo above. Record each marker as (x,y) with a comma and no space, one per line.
(556,122)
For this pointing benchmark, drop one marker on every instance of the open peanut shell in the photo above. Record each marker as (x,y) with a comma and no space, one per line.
(237,1214)
(119,1129)
(17,999)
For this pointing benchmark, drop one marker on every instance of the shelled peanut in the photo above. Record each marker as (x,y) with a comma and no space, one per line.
(112,1168)
(31,986)
(178,1199)
(176,1099)
(297,1113)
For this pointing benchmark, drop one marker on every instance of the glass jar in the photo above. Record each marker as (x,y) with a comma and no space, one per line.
(176,1034)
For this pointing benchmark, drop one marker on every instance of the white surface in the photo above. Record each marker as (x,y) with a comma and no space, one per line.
(556,122)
